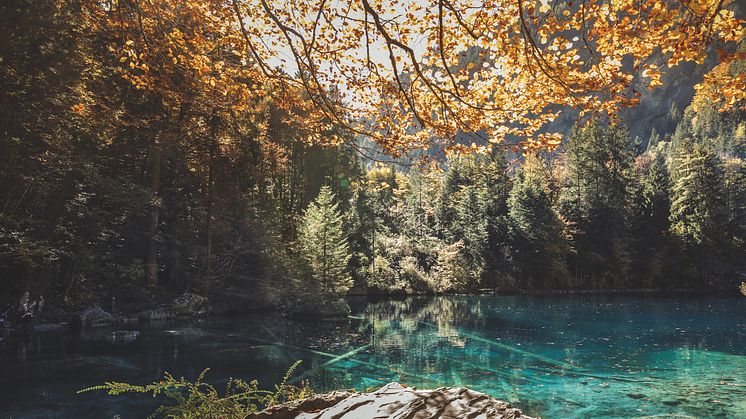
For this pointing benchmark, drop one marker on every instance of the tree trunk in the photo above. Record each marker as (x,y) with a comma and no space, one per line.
(151,263)
(165,133)
(209,218)
(210,181)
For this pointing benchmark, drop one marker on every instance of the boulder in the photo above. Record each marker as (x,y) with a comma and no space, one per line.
(190,304)
(396,401)
(292,409)
(91,317)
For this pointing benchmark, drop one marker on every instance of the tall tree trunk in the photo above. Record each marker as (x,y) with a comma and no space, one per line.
(166,133)
(151,263)
(209,217)
(210,181)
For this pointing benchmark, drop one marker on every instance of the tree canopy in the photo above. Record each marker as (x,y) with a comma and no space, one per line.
(413,74)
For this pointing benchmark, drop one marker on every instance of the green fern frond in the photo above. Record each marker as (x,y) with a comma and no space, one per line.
(198,399)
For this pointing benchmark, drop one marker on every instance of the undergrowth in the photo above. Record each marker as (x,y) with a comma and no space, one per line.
(198,399)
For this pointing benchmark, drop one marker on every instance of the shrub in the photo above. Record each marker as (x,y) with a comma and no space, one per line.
(199,399)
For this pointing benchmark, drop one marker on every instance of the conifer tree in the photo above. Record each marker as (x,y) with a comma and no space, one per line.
(698,216)
(446,206)
(735,194)
(417,215)
(361,222)
(595,202)
(697,201)
(654,139)
(324,246)
(538,242)
(494,184)
(649,223)
(470,227)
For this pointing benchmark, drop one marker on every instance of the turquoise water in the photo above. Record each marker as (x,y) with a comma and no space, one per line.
(585,356)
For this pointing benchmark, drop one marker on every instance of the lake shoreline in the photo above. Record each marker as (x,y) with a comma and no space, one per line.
(706,292)
(227,305)
(233,304)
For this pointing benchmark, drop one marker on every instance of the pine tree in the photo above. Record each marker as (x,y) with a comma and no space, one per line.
(364,227)
(698,216)
(735,188)
(446,207)
(654,139)
(472,209)
(470,227)
(494,185)
(722,132)
(537,238)
(595,202)
(697,201)
(649,223)
(418,206)
(324,247)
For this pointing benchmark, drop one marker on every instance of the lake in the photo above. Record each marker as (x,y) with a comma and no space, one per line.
(553,356)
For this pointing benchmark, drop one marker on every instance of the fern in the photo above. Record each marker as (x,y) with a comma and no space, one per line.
(199,399)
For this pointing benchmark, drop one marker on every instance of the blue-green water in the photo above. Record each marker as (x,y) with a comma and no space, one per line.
(585,356)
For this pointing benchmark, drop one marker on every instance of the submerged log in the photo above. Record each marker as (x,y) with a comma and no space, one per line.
(396,401)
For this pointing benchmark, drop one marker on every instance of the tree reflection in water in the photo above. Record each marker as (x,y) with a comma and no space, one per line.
(582,356)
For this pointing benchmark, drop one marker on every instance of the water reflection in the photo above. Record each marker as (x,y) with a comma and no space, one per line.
(573,357)
(396,323)
(554,357)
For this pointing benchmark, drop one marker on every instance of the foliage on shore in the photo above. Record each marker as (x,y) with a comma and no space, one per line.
(198,399)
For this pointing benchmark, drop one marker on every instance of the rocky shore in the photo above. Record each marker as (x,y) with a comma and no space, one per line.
(35,316)
(395,400)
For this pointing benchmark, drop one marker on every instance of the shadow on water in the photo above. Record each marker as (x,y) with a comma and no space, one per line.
(559,356)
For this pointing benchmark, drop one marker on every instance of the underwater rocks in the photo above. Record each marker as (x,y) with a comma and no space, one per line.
(395,400)
(121,337)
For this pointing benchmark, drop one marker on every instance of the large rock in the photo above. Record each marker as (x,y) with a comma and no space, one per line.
(190,304)
(396,401)
(91,317)
(315,403)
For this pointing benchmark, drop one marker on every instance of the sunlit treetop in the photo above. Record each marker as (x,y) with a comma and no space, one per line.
(414,74)
(724,87)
